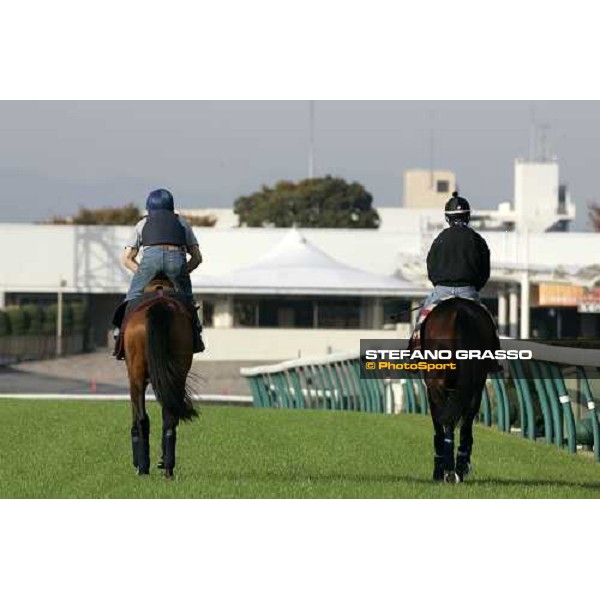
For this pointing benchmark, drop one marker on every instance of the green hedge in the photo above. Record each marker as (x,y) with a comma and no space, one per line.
(79,312)
(67,319)
(31,319)
(4,324)
(35,318)
(18,319)
(49,325)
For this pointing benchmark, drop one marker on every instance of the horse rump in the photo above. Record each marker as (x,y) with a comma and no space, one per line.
(167,368)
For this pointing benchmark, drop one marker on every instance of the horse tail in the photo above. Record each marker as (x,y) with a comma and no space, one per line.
(167,375)
(466,339)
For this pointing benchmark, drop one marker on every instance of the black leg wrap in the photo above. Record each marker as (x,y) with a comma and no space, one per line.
(161,462)
(438,459)
(169,441)
(463,462)
(438,468)
(135,445)
(144,446)
(449,452)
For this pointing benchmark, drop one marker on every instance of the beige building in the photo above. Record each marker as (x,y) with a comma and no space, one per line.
(424,188)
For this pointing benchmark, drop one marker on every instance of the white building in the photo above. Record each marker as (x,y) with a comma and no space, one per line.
(251,266)
(86,259)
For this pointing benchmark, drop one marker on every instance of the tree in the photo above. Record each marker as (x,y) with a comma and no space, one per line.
(124,215)
(200,220)
(323,202)
(129,214)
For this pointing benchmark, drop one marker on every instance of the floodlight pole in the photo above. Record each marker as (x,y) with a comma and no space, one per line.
(311,139)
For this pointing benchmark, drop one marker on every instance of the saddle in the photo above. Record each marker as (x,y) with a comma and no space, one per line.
(416,336)
(126,309)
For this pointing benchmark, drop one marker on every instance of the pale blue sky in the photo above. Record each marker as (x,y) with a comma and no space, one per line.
(57,156)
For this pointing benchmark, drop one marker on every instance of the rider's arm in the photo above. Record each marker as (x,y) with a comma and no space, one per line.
(196,258)
(128,259)
(484,253)
(433,260)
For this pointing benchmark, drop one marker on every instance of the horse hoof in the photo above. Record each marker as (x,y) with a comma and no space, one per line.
(168,473)
(141,471)
(451,477)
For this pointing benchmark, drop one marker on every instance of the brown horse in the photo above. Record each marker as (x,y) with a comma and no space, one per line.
(158,349)
(455,395)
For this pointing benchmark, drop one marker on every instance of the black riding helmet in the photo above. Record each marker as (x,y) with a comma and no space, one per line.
(457,210)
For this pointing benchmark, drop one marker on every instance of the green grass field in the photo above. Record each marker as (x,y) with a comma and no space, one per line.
(81,449)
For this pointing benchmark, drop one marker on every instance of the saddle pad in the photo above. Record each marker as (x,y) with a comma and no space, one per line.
(427,309)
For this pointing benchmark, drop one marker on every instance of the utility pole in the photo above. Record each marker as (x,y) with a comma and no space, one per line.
(59,318)
(532,134)
(311,139)
(431,148)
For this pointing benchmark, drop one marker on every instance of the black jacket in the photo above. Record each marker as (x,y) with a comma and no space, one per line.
(459,256)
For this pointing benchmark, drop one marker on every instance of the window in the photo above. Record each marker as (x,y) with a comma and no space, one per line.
(207,312)
(339,314)
(443,186)
(245,312)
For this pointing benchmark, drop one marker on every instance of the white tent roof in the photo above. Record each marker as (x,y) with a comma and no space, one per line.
(296,266)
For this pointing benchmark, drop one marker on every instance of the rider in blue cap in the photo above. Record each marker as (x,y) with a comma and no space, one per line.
(166,238)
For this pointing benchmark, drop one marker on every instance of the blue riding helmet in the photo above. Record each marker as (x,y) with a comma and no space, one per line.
(160,200)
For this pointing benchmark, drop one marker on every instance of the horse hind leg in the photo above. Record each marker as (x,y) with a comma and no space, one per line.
(450,475)
(169,442)
(140,431)
(444,421)
(463,456)
(438,446)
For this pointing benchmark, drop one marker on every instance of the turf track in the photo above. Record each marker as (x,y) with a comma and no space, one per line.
(79,449)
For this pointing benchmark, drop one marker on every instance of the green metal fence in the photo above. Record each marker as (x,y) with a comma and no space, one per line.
(549,399)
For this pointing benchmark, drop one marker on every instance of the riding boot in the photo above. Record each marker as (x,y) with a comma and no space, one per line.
(117,349)
(494,365)
(118,332)
(198,342)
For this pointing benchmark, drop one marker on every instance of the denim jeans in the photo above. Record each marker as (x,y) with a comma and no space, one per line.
(170,262)
(443,291)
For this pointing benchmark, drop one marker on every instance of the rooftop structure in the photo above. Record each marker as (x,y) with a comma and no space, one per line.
(297,266)
(427,188)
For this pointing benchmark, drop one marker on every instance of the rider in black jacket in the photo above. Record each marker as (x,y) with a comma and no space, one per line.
(458,263)
(459,256)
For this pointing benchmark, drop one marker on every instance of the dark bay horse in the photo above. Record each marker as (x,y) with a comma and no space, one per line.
(158,350)
(455,395)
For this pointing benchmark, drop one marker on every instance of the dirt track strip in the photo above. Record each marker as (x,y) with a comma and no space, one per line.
(214,399)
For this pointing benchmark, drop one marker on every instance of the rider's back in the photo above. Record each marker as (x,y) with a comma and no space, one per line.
(459,256)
